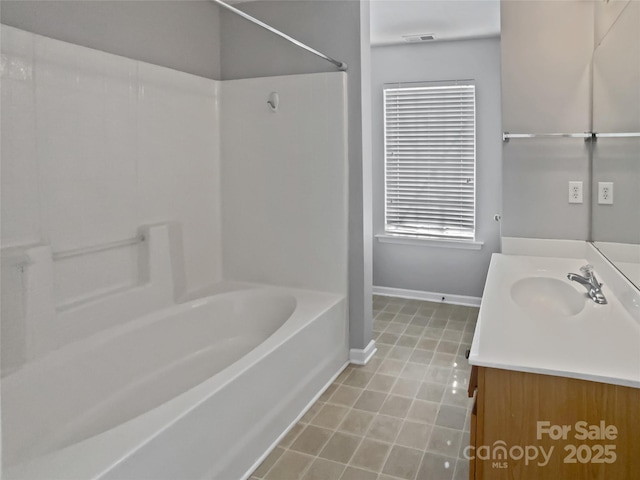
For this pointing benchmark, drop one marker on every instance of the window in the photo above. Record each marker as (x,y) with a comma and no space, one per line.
(429,140)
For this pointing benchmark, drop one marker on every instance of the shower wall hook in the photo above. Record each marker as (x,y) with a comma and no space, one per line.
(273,101)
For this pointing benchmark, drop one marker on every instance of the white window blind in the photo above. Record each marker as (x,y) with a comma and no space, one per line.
(430,153)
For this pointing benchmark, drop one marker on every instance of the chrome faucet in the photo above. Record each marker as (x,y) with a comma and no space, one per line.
(590,282)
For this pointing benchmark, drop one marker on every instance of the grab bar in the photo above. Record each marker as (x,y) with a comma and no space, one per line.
(98,248)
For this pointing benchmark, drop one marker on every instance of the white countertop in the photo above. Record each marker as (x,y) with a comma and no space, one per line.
(600,343)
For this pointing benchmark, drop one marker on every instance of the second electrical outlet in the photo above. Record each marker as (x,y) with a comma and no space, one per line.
(605,193)
(575,192)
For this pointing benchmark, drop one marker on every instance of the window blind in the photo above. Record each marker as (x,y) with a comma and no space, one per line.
(429,137)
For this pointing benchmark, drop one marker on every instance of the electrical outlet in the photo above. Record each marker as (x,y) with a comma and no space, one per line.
(605,193)
(575,192)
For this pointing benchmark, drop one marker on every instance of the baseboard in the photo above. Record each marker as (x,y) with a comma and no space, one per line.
(429,296)
(361,356)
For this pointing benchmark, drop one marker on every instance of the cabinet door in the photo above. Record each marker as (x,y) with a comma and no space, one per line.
(547,415)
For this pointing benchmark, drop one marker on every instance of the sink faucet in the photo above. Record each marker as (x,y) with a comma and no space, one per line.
(590,282)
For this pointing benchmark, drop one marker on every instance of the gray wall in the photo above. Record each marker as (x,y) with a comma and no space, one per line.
(183,35)
(438,269)
(332,27)
(546,88)
(616,108)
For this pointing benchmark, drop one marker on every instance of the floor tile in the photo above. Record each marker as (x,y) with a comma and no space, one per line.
(357,422)
(322,469)
(443,360)
(409,309)
(353,473)
(455,325)
(388,338)
(406,387)
(400,353)
(427,344)
(414,435)
(440,323)
(414,371)
(447,347)
(370,401)
(407,341)
(456,396)
(444,441)
(462,470)
(403,318)
(383,350)
(311,440)
(396,328)
(403,462)
(381,383)
(422,411)
(437,374)
(329,416)
(340,447)
(396,406)
(420,321)
(451,417)
(431,392)
(391,366)
(345,395)
(312,412)
(452,336)
(290,466)
(371,455)
(414,330)
(393,308)
(385,316)
(384,428)
(421,356)
(433,333)
(328,392)
(358,378)
(291,435)
(436,467)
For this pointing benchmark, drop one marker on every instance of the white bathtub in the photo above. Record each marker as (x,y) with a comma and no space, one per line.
(200,390)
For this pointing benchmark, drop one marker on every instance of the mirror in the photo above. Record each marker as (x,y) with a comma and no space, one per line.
(615,223)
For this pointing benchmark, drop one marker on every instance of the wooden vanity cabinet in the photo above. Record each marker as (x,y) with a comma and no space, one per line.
(508,406)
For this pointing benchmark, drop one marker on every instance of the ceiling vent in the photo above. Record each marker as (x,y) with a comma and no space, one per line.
(424,37)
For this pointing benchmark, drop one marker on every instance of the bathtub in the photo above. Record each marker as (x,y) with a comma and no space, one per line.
(199,390)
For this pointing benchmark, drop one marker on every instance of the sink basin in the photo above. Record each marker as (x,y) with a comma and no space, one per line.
(547,296)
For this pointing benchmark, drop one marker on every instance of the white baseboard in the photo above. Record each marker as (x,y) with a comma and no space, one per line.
(361,356)
(429,296)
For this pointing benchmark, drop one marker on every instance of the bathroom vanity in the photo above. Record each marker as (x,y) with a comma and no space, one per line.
(556,376)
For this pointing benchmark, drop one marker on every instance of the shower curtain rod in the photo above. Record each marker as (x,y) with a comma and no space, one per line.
(342,66)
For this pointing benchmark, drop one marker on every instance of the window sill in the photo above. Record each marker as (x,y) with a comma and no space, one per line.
(430,242)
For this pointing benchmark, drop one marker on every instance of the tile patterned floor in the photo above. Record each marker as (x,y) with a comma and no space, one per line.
(403,416)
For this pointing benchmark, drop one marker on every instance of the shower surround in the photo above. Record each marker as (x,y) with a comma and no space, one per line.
(181,220)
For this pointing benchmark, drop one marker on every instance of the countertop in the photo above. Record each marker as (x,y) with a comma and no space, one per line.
(600,343)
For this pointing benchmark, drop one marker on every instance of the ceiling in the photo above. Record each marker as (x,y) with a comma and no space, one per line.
(446,19)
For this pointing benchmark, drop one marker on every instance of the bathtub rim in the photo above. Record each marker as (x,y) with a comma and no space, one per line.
(102,452)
